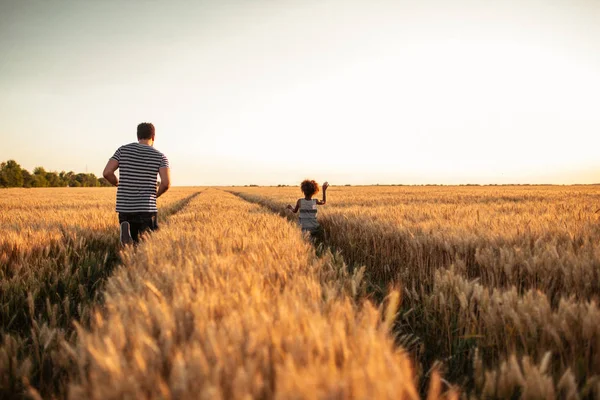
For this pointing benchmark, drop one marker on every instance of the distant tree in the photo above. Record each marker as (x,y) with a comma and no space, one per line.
(11,174)
(39,171)
(53,179)
(69,177)
(104,182)
(93,180)
(3,181)
(80,177)
(87,180)
(39,177)
(27,179)
(62,176)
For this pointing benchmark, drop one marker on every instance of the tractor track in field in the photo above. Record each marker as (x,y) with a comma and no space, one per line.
(376,292)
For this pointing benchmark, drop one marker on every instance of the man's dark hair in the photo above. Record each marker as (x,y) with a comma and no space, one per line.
(145,130)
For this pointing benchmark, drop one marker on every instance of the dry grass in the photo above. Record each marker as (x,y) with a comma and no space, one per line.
(523,288)
(56,248)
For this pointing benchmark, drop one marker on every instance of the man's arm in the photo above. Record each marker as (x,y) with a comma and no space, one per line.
(109,171)
(165,180)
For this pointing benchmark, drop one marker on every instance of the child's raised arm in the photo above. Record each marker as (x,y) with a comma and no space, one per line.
(292,209)
(322,202)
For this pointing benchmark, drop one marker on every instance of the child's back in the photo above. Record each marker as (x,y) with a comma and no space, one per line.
(308,215)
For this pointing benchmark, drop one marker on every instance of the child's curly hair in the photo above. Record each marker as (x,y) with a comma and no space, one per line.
(309,187)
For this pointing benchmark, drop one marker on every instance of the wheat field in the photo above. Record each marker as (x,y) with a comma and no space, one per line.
(57,246)
(437,292)
(500,285)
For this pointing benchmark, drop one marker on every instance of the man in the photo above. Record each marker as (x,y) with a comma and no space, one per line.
(138,165)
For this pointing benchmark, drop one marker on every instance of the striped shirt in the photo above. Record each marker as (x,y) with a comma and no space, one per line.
(138,168)
(308,215)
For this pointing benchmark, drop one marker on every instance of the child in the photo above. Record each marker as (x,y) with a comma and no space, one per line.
(308,207)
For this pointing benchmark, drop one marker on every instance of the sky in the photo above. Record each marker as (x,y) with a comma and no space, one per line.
(271,92)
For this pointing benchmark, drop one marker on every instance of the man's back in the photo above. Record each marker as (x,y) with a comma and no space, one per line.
(138,167)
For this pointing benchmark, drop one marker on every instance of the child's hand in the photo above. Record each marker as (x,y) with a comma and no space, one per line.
(325,185)
(289,207)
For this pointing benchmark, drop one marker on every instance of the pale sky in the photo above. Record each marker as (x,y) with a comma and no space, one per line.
(275,91)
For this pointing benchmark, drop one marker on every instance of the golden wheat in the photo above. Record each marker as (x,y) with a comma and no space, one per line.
(231,302)
(525,277)
(500,290)
(56,248)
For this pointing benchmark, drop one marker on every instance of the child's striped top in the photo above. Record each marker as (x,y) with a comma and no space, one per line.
(308,215)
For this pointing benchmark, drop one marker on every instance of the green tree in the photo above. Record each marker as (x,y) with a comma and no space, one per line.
(39,177)
(53,179)
(87,180)
(64,181)
(104,182)
(27,179)
(69,177)
(11,174)
(92,181)
(3,181)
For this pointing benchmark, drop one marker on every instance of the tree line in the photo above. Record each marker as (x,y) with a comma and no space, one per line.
(13,175)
